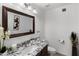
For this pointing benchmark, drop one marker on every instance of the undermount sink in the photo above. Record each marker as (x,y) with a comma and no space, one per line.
(26,50)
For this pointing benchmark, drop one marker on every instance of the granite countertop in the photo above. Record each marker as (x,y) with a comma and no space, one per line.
(33,48)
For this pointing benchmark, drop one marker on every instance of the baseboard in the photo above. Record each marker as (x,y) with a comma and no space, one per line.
(61,53)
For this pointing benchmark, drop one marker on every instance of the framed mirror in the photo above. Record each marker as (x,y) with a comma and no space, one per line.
(18,23)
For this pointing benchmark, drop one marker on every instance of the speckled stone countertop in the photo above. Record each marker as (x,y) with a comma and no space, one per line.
(32,49)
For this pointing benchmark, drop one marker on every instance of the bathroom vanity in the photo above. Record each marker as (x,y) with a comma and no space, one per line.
(43,52)
(32,48)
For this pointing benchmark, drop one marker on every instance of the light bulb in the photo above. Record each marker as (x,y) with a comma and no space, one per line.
(34,11)
(29,8)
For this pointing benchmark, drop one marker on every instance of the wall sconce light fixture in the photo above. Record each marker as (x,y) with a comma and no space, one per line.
(29,7)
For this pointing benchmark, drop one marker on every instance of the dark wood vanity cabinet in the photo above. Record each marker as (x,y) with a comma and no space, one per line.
(43,52)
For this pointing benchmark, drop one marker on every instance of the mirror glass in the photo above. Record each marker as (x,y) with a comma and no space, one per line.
(17,23)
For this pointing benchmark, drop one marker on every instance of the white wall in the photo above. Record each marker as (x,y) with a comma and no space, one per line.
(59,25)
(38,18)
(41,17)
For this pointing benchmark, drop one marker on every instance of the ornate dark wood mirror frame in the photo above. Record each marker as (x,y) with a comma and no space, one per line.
(5,21)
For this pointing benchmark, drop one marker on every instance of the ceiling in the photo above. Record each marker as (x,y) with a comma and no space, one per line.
(48,5)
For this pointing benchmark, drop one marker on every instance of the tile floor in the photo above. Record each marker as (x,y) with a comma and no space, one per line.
(56,54)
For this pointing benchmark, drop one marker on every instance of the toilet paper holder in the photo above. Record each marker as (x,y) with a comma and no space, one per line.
(61,41)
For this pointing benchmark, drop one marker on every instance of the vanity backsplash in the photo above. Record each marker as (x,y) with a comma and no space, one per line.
(28,43)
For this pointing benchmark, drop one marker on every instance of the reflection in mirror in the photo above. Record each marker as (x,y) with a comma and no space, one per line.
(17,23)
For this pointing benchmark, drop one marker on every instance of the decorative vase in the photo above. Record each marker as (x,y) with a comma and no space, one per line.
(74,40)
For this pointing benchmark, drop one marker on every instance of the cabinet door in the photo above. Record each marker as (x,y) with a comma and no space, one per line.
(44,51)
